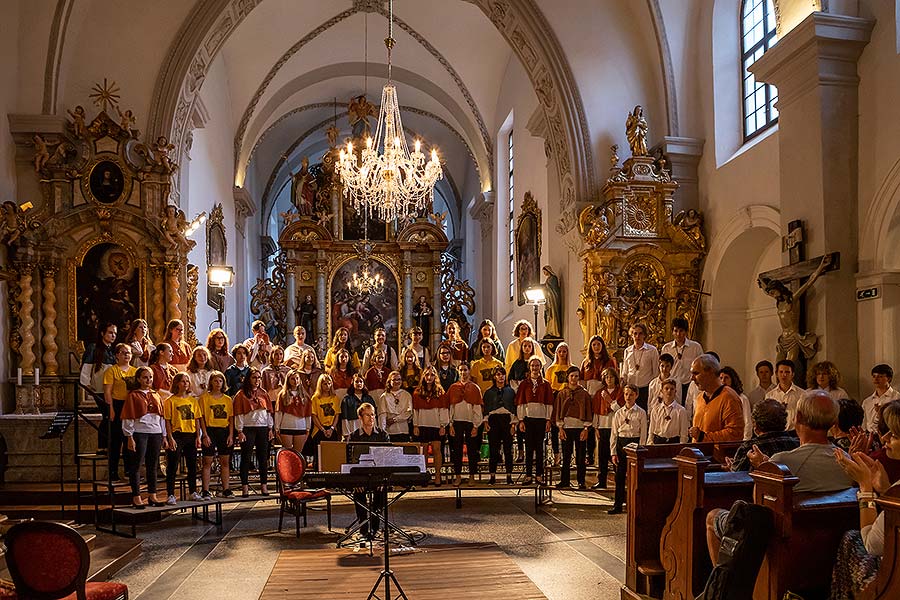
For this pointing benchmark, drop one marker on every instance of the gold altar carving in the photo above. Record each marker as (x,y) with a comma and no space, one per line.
(641,264)
(94,197)
(193,281)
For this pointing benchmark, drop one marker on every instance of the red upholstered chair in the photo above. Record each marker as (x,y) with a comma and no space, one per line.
(49,560)
(289,469)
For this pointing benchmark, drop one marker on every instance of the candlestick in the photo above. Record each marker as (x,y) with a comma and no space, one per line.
(37,377)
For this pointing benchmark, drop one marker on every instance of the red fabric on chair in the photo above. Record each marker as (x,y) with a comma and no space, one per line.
(289,466)
(50,560)
(289,470)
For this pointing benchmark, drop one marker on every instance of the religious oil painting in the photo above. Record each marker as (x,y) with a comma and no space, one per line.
(363,313)
(528,247)
(108,287)
(107,182)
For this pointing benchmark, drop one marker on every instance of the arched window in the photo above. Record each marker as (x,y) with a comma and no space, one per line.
(757,35)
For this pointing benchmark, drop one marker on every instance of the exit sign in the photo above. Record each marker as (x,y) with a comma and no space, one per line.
(867,293)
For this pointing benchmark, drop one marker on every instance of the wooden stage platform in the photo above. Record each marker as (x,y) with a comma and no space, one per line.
(431,572)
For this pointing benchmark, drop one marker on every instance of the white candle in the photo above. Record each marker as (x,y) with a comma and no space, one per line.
(37,377)
(19,376)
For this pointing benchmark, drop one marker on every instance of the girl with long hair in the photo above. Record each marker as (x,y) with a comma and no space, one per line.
(115,392)
(395,409)
(217,344)
(422,351)
(556,375)
(459,349)
(309,374)
(97,358)
(236,374)
(218,433)
(342,374)
(431,415)
(181,352)
(379,337)
(256,428)
(138,337)
(163,372)
(593,365)
(410,370)
(728,376)
(326,414)
(340,340)
(293,413)
(199,370)
(184,427)
(144,429)
(486,331)
(274,374)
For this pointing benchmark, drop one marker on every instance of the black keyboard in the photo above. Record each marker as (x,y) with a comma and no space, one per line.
(366,476)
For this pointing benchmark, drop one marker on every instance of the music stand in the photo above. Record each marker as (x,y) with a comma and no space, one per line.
(57,429)
(380,478)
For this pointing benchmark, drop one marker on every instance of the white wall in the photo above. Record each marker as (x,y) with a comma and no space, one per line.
(210,180)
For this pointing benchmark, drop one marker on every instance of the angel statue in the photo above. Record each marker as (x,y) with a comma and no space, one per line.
(41,153)
(636,131)
(358,111)
(174,226)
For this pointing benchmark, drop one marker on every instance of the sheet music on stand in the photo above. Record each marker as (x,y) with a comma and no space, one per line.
(59,425)
(387,456)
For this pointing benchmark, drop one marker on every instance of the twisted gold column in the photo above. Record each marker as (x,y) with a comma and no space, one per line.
(173,285)
(159,316)
(51,366)
(26,321)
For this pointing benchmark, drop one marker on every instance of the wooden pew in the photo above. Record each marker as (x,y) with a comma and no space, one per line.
(808,531)
(886,585)
(652,487)
(683,551)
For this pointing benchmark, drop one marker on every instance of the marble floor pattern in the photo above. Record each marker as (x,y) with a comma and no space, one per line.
(571,550)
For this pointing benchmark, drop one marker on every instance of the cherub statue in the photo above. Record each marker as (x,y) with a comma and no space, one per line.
(174,226)
(162,147)
(332,133)
(41,153)
(12,224)
(439,218)
(636,131)
(78,121)
(126,120)
(323,218)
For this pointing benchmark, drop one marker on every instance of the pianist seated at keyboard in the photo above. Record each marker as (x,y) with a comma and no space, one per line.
(368,433)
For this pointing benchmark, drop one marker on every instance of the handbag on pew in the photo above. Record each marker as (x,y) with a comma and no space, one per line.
(745,537)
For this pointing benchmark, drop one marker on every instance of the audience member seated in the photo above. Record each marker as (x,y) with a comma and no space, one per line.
(850,420)
(718,415)
(813,462)
(769,418)
(860,552)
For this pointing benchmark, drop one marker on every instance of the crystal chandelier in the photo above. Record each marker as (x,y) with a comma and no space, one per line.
(366,280)
(396,183)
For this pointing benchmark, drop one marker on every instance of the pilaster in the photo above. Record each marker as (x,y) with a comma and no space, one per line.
(814,67)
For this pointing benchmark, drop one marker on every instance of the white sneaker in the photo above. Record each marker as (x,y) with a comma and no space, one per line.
(196,497)
(171,501)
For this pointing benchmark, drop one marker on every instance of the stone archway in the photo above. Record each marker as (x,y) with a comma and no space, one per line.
(741,323)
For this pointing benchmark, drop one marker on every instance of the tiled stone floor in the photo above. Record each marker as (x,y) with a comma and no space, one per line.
(571,550)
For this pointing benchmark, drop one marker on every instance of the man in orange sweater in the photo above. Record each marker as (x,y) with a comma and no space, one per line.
(718,416)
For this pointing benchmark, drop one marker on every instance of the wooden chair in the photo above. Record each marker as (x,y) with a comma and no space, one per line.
(292,498)
(48,560)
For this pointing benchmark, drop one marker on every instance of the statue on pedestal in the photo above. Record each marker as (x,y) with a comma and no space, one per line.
(307,313)
(553,307)
(636,131)
(303,189)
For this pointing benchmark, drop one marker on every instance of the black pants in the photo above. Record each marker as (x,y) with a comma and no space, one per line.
(604,453)
(146,450)
(591,446)
(103,428)
(462,436)
(371,518)
(658,439)
(116,438)
(643,396)
(554,438)
(520,442)
(400,438)
(185,445)
(684,391)
(622,469)
(535,429)
(573,439)
(256,438)
(500,438)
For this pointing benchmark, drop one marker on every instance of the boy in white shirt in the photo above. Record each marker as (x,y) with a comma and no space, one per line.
(668,419)
(666,361)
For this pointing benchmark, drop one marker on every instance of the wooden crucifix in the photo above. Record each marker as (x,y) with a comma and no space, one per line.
(696,314)
(787,287)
